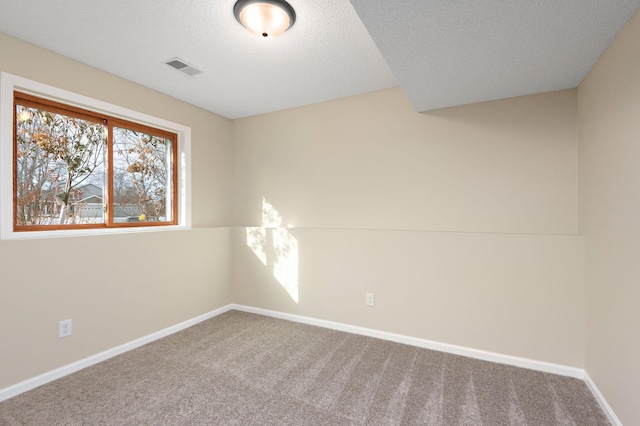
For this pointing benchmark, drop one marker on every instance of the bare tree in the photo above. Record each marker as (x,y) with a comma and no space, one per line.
(142,170)
(56,153)
(32,173)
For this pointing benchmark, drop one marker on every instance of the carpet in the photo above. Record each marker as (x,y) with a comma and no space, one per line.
(246,369)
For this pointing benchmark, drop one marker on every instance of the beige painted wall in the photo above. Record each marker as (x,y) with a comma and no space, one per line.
(609,130)
(512,294)
(210,134)
(365,181)
(146,282)
(116,288)
(371,162)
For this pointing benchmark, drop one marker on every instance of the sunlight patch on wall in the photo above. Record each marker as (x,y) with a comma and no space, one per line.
(276,248)
(285,265)
(257,242)
(270,216)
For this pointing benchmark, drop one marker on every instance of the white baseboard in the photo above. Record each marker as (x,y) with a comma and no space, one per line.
(546,367)
(50,376)
(603,402)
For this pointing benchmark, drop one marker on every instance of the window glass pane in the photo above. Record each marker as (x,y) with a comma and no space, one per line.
(59,168)
(142,180)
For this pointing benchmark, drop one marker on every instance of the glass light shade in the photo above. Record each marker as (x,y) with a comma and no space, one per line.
(265,18)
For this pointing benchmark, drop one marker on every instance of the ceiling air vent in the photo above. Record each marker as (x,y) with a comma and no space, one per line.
(182,66)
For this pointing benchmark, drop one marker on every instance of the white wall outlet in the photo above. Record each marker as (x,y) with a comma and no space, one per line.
(64,328)
(370,299)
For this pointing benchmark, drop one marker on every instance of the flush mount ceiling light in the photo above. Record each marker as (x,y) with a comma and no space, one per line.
(267,18)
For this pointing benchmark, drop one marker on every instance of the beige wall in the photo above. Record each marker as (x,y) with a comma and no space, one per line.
(609,130)
(119,287)
(365,181)
(210,134)
(371,162)
(512,294)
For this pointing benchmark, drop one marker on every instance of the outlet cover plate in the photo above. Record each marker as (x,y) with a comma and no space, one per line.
(370,299)
(64,328)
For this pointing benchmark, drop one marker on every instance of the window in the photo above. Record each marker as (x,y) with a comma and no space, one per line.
(85,170)
(74,168)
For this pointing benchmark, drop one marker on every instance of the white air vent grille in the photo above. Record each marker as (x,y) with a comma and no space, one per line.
(182,66)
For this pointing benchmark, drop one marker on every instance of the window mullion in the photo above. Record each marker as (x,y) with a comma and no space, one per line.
(109,208)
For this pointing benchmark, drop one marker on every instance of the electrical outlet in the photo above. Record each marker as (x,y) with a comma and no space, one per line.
(64,328)
(370,299)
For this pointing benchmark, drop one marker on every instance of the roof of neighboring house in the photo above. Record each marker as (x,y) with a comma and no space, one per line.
(90,189)
(90,199)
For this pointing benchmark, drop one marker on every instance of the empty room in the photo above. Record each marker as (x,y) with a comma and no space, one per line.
(319,212)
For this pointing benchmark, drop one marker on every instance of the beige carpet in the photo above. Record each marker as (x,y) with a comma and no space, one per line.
(246,369)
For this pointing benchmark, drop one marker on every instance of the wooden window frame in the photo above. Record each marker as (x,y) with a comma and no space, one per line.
(38,95)
(109,122)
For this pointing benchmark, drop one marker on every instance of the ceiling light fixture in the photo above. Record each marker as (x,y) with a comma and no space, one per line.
(267,18)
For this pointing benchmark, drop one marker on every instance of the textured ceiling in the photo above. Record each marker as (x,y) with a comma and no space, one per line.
(442,53)
(326,55)
(447,53)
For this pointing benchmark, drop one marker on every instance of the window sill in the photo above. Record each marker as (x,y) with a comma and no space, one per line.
(34,235)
